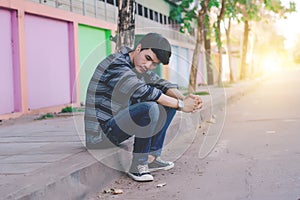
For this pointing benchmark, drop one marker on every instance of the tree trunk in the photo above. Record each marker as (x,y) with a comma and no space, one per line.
(220,81)
(243,74)
(195,62)
(126,24)
(229,51)
(219,42)
(207,46)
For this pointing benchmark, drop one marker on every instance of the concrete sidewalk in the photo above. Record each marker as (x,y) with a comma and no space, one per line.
(46,159)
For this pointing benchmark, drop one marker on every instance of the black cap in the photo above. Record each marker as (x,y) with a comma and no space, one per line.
(159,45)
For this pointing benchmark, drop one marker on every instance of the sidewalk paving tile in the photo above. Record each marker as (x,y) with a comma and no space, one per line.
(38,157)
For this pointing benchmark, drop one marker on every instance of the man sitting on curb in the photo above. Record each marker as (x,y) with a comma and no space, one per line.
(125,98)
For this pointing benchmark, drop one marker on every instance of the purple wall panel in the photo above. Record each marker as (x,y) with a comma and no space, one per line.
(47,61)
(6,64)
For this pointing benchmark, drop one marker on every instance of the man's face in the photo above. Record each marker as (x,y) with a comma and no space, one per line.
(145,60)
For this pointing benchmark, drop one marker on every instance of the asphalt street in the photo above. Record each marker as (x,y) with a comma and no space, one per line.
(257,155)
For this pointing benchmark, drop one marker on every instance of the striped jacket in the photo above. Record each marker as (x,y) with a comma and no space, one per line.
(114,86)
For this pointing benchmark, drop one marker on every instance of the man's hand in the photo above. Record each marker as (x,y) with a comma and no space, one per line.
(192,103)
(198,100)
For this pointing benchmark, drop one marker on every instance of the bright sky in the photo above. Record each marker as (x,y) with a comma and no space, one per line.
(290,27)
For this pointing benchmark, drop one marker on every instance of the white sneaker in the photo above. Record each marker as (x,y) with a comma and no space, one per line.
(159,164)
(140,173)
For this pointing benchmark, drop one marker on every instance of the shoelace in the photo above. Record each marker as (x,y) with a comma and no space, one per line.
(161,161)
(143,169)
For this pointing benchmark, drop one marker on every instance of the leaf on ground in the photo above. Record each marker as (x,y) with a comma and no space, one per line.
(113,191)
(161,185)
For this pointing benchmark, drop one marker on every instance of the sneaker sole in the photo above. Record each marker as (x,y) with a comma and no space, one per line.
(162,168)
(144,178)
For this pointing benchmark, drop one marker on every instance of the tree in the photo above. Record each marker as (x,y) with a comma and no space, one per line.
(207,5)
(254,10)
(240,10)
(200,38)
(188,16)
(126,24)
(230,14)
(185,13)
(217,27)
(195,61)
(249,10)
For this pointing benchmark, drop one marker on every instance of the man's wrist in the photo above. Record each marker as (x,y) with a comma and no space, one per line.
(180,104)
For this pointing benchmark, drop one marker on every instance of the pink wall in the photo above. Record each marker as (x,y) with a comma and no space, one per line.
(39,57)
(6,63)
(47,61)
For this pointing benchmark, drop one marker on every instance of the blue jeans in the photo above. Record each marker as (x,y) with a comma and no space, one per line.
(148,122)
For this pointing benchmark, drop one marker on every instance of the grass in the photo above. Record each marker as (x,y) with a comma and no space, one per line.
(45,116)
(70,109)
(200,93)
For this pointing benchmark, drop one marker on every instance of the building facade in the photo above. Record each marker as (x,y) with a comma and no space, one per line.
(50,48)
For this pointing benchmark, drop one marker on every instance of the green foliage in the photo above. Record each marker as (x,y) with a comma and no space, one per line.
(292,7)
(249,10)
(217,35)
(67,109)
(175,14)
(70,109)
(45,116)
(231,10)
(207,26)
(252,11)
(185,4)
(190,15)
(200,93)
(276,7)
(184,15)
(213,3)
(273,5)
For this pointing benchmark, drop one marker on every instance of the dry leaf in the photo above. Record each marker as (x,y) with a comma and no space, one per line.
(271,132)
(113,191)
(117,191)
(161,185)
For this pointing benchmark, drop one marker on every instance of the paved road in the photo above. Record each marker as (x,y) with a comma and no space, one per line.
(257,156)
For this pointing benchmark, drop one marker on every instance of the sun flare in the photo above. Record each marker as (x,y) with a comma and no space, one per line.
(271,63)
